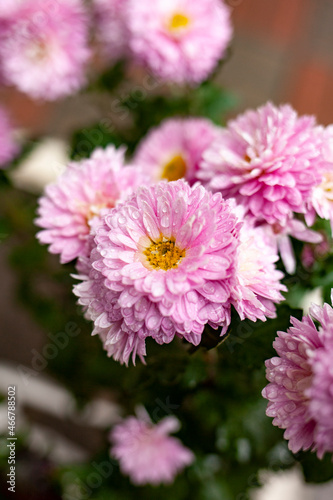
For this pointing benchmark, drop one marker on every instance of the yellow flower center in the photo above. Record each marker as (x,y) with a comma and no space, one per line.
(177,22)
(90,211)
(175,169)
(164,254)
(327,185)
(38,51)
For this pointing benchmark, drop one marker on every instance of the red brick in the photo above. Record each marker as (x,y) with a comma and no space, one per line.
(24,112)
(307,93)
(291,20)
(326,111)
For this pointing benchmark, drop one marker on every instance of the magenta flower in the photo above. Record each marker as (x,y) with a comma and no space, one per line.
(163,266)
(110,28)
(174,149)
(169,37)
(300,392)
(268,160)
(44,47)
(8,146)
(257,282)
(70,206)
(146,452)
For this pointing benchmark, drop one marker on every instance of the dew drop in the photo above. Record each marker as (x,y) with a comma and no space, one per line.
(209,288)
(152,322)
(165,221)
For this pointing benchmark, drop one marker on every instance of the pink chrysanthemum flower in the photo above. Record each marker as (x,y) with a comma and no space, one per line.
(44,47)
(268,161)
(110,27)
(163,265)
(321,202)
(174,149)
(179,40)
(146,452)
(301,380)
(70,206)
(257,287)
(281,236)
(8,146)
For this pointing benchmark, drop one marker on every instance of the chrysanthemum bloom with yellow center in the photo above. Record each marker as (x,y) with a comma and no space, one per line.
(146,452)
(174,149)
(179,40)
(163,266)
(69,207)
(269,160)
(300,392)
(44,47)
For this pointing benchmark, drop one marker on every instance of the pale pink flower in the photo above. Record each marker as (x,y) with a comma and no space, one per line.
(174,149)
(311,253)
(257,282)
(70,206)
(8,145)
(44,47)
(146,452)
(179,40)
(321,202)
(268,160)
(281,234)
(110,28)
(163,266)
(300,392)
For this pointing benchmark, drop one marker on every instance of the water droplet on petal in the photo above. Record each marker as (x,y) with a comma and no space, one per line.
(165,221)
(209,288)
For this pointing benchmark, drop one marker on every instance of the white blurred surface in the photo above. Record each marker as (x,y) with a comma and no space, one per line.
(42,166)
(290,485)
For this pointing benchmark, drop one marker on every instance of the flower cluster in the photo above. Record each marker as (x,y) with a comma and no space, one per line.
(44,44)
(146,452)
(163,259)
(301,381)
